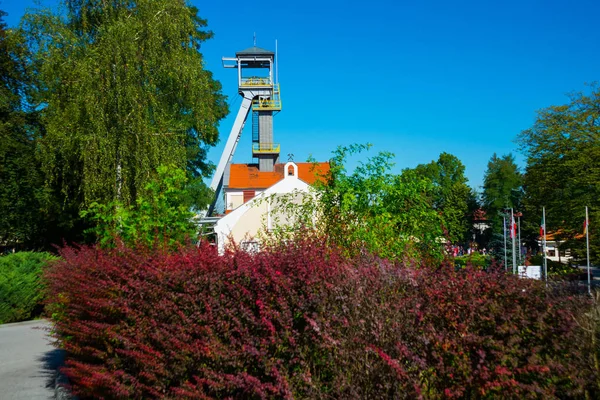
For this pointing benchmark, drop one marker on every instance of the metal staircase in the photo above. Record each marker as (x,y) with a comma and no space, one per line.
(255,127)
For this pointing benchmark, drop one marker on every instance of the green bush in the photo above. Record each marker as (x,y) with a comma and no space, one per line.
(162,216)
(21,291)
(476,260)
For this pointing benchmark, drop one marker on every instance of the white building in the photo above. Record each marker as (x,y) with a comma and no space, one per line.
(553,243)
(252,208)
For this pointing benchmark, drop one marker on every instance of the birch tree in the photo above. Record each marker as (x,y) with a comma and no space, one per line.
(122,89)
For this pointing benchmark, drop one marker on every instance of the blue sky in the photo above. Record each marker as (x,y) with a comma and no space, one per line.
(414,78)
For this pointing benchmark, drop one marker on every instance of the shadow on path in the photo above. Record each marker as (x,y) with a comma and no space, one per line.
(50,363)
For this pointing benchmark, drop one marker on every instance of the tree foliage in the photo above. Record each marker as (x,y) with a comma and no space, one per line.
(370,210)
(502,184)
(502,190)
(451,194)
(122,89)
(20,179)
(162,217)
(563,173)
(390,215)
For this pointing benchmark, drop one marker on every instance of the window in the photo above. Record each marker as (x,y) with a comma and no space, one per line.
(249,195)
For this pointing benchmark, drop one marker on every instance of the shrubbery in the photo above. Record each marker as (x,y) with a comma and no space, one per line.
(367,210)
(163,214)
(477,260)
(21,292)
(300,321)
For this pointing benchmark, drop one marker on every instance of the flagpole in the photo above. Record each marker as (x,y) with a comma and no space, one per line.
(520,252)
(505,260)
(544,244)
(512,234)
(587,240)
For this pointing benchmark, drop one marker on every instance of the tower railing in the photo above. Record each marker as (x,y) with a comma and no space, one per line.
(255,81)
(266,148)
(268,104)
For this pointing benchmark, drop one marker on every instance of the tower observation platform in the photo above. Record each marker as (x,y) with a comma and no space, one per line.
(261,95)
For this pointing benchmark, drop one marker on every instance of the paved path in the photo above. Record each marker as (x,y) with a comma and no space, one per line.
(28,362)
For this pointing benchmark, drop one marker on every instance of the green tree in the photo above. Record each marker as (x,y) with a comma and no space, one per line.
(502,190)
(502,185)
(563,173)
(163,216)
(122,89)
(20,179)
(370,209)
(451,196)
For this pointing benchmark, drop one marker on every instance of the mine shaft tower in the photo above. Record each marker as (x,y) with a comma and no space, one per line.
(260,91)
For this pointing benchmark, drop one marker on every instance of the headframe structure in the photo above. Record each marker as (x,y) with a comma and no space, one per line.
(260,93)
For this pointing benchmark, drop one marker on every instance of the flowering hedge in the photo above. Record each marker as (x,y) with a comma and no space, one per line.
(299,321)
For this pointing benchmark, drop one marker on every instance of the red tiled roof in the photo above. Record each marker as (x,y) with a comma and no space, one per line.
(247,176)
(479,215)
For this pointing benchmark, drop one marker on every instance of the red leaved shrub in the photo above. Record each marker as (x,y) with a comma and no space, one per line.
(299,321)
(462,334)
(191,324)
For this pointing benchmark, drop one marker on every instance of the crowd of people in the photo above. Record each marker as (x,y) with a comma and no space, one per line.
(459,250)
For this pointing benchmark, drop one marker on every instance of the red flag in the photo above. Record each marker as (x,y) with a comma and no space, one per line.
(513,228)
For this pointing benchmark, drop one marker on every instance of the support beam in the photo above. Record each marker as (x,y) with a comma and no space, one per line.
(232,141)
(229,150)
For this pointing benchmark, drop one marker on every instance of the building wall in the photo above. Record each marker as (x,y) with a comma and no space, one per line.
(245,222)
(278,217)
(235,198)
(250,223)
(552,252)
(265,123)
(260,216)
